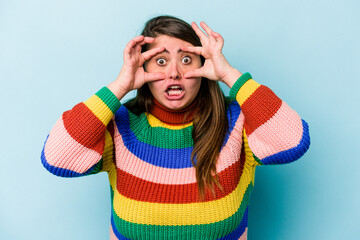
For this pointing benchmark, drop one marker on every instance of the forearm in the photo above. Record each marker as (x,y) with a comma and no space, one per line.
(76,143)
(231,77)
(275,132)
(116,90)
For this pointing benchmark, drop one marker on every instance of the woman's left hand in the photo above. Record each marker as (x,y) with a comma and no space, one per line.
(216,67)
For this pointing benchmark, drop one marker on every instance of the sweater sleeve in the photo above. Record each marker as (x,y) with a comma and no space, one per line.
(273,133)
(81,141)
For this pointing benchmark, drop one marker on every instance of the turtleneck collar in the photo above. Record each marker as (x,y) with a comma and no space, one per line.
(173,117)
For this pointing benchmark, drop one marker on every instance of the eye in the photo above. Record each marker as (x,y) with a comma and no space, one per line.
(186,60)
(161,61)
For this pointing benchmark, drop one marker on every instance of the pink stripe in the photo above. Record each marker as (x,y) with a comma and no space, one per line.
(131,164)
(281,132)
(244,235)
(112,234)
(62,151)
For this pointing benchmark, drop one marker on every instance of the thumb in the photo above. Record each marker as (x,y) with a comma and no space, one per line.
(149,77)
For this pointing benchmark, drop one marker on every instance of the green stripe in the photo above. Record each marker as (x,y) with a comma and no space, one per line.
(187,232)
(258,160)
(159,136)
(238,84)
(98,167)
(109,99)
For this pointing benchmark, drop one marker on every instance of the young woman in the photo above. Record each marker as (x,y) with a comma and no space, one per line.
(180,156)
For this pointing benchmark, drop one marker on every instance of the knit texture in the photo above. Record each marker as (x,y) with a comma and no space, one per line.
(147,157)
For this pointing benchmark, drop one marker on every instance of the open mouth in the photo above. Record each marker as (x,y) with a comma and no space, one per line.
(174,90)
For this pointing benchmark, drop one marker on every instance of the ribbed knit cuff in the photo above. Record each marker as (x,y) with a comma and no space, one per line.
(109,99)
(238,84)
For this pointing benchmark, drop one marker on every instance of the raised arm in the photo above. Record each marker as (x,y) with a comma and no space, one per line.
(273,132)
(81,142)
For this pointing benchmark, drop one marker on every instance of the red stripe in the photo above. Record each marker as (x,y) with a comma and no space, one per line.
(259,108)
(146,191)
(85,128)
(110,128)
(174,117)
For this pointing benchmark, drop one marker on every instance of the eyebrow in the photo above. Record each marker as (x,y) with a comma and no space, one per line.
(165,50)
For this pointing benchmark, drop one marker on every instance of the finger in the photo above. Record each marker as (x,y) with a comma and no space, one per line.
(132,43)
(194,73)
(218,38)
(196,50)
(136,40)
(137,48)
(146,40)
(149,39)
(150,77)
(199,32)
(206,28)
(216,35)
(150,53)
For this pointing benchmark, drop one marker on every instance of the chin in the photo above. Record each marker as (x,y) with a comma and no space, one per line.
(175,105)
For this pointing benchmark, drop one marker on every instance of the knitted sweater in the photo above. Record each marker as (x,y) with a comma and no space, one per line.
(147,157)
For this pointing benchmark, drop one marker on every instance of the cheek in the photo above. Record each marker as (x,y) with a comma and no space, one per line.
(154,87)
(195,85)
(196,63)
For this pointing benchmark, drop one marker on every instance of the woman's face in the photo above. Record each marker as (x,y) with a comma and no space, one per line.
(174,92)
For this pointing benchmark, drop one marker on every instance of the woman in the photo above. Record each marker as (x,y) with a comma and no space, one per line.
(180,157)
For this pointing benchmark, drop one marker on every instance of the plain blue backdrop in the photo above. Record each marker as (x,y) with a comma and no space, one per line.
(54,54)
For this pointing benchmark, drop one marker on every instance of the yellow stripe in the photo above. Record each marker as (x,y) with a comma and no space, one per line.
(154,122)
(100,109)
(113,178)
(248,153)
(181,214)
(108,162)
(246,90)
(250,162)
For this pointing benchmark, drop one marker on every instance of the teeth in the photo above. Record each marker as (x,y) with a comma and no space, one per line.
(175,87)
(174,92)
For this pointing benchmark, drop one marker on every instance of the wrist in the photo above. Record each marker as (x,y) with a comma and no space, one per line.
(236,88)
(118,91)
(231,77)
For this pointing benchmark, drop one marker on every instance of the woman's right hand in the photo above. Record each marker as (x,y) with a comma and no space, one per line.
(132,75)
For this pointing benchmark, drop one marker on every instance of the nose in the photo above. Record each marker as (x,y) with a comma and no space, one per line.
(174,71)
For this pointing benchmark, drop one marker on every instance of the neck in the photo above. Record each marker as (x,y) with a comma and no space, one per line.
(174,117)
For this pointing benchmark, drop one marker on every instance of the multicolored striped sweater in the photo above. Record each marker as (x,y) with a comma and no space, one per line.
(147,157)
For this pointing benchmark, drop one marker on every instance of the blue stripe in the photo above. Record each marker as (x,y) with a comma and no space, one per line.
(236,234)
(233,114)
(292,154)
(116,232)
(161,157)
(62,172)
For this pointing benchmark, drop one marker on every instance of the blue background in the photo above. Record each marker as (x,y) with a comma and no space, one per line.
(54,54)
